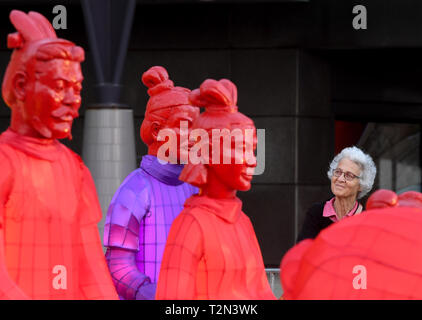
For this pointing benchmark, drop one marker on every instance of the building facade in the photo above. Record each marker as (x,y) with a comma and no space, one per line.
(304,74)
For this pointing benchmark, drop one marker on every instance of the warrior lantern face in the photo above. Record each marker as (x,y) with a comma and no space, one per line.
(52,97)
(237,174)
(231,162)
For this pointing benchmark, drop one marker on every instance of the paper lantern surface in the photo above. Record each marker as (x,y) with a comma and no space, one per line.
(376,255)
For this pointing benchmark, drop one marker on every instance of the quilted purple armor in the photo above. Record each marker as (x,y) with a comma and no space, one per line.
(138,222)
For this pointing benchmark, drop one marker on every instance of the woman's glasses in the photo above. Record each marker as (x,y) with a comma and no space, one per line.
(347,175)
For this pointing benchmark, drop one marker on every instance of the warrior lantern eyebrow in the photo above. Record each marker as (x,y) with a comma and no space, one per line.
(69,80)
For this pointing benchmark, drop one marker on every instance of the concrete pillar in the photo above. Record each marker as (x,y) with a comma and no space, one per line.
(108,151)
(109,142)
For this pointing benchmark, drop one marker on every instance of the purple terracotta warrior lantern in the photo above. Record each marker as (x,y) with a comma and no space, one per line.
(145,205)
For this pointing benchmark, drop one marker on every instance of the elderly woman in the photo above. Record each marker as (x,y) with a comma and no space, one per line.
(352,174)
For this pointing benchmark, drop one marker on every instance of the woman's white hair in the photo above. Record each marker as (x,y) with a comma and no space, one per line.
(364,161)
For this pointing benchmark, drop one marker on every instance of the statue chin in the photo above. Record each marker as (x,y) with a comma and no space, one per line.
(62,131)
(41,128)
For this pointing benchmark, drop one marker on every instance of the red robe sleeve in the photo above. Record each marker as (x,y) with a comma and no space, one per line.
(183,251)
(8,288)
(96,282)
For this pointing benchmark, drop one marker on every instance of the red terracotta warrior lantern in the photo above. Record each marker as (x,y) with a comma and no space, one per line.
(212,251)
(49,242)
(384,198)
(150,198)
(376,255)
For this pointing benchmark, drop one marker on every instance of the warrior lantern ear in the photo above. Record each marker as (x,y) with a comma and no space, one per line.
(19,83)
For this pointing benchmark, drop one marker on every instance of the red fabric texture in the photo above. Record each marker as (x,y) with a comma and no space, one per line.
(48,217)
(212,253)
(387,243)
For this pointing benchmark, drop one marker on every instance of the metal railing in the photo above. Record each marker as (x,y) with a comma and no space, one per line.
(273,275)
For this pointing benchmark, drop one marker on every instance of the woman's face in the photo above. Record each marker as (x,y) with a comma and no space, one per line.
(347,184)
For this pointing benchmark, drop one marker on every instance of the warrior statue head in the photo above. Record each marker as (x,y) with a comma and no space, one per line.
(167,108)
(227,142)
(43,80)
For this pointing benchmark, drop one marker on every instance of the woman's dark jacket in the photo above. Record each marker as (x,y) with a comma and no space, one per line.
(314,222)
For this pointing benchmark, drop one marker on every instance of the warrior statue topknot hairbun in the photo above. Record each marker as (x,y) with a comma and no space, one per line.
(157,80)
(215,96)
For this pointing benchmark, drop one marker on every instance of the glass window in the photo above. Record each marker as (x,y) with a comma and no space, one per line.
(395,148)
